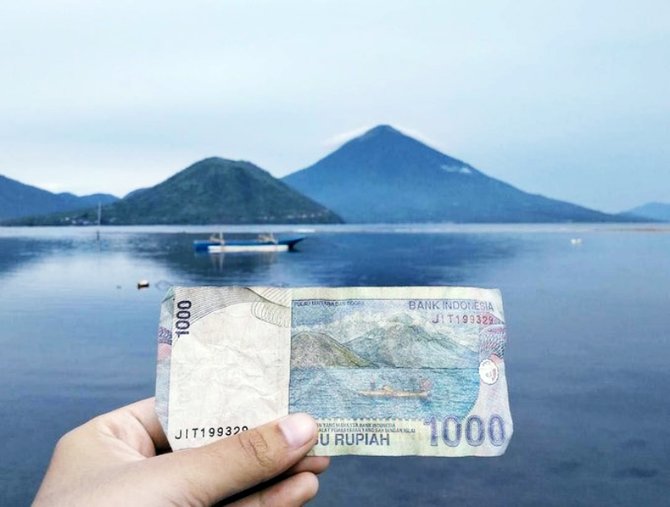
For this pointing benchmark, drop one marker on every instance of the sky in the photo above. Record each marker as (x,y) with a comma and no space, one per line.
(568,99)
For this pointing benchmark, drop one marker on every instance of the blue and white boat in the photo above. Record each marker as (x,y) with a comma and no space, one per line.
(263,243)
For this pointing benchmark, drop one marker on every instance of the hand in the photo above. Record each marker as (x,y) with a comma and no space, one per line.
(115,459)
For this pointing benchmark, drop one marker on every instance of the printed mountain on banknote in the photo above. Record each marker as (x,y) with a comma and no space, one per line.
(384,370)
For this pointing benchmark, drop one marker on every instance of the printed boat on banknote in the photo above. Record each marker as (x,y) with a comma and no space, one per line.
(388,392)
(263,243)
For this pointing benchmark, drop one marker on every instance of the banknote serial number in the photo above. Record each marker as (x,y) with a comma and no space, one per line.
(465,318)
(183,316)
(209,432)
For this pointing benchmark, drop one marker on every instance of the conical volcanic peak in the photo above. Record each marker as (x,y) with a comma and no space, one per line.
(385,149)
(379,131)
(387,176)
(407,345)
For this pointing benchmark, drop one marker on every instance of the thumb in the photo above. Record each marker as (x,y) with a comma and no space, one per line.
(216,471)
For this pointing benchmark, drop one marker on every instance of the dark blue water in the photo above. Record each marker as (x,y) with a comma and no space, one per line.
(587,354)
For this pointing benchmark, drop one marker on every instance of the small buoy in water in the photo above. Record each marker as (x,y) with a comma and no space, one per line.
(143,284)
(576,241)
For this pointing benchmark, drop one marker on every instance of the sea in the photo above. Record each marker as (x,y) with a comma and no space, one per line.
(587,359)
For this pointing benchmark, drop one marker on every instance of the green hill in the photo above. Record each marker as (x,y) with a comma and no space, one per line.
(212,191)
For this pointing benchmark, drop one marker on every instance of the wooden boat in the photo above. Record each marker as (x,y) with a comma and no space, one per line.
(388,392)
(264,243)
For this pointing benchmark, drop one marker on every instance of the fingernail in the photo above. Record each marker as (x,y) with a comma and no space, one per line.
(298,429)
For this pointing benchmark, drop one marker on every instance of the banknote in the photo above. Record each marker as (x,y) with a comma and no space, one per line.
(385,371)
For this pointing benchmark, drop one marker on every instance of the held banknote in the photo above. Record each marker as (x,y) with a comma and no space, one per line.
(385,371)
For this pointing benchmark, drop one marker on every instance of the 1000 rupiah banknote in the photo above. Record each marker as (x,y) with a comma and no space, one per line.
(385,371)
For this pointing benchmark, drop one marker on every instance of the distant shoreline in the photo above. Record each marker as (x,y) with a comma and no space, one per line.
(310,229)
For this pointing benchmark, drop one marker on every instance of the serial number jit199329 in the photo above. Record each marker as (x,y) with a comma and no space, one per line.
(211,432)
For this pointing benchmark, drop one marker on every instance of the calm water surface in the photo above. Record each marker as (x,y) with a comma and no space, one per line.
(587,356)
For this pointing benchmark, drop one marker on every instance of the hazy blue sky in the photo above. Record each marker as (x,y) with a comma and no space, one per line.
(565,98)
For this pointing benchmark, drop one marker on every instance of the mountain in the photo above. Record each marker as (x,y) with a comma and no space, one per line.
(20,200)
(652,211)
(404,345)
(387,176)
(93,199)
(211,191)
(137,191)
(310,350)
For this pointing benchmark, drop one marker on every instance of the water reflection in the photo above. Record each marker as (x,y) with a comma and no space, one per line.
(238,262)
(15,252)
(334,259)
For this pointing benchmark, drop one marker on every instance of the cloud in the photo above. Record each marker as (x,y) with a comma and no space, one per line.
(338,140)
